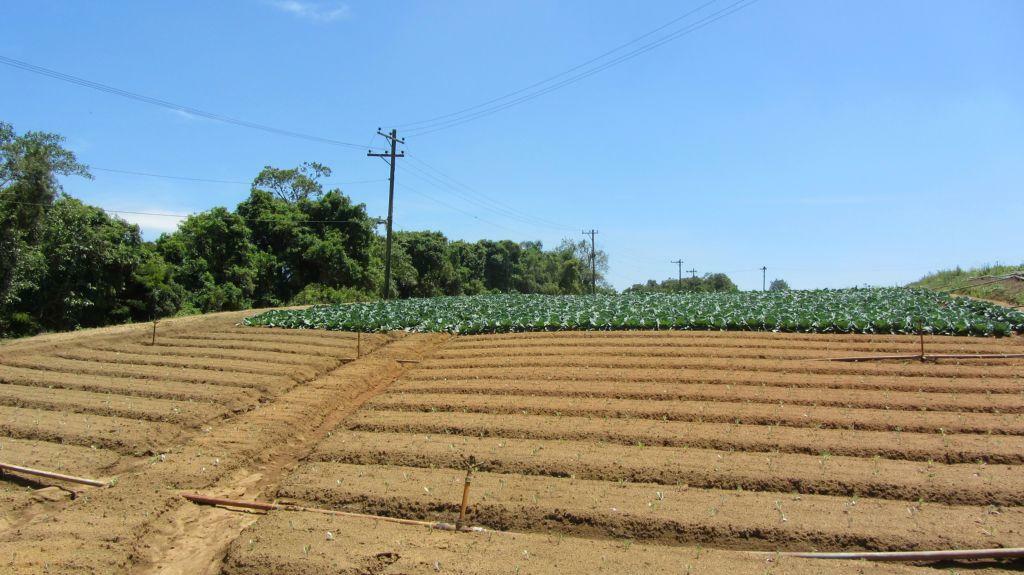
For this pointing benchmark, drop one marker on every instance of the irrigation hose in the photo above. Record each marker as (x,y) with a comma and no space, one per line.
(52,475)
(909,556)
(262,506)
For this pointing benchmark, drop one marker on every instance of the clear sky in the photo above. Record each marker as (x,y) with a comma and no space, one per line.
(837,142)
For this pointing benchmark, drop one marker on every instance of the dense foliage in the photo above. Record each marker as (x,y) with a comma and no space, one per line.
(716,282)
(65,265)
(875,310)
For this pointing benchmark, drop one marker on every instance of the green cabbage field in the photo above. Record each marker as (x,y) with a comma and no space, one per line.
(870,310)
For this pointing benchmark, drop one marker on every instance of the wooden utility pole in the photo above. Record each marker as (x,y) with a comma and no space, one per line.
(764,278)
(390,158)
(693,273)
(593,261)
(680,264)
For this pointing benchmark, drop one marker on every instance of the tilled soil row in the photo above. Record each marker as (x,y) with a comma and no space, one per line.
(851,398)
(945,448)
(725,336)
(657,353)
(184,413)
(59,457)
(120,530)
(728,345)
(299,373)
(340,347)
(713,412)
(287,543)
(253,346)
(602,376)
(125,436)
(664,513)
(320,363)
(264,383)
(234,398)
(964,484)
(375,339)
(668,365)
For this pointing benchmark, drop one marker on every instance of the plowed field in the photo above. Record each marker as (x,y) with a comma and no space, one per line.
(617,452)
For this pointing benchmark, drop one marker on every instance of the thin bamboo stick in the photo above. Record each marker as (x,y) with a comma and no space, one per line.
(204,500)
(52,475)
(945,555)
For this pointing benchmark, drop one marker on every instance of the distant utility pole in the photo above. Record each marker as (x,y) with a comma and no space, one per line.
(693,273)
(390,158)
(593,261)
(680,264)
(764,278)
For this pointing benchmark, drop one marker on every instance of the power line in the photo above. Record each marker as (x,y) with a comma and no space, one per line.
(476,197)
(216,181)
(457,119)
(455,208)
(185,216)
(170,105)
(562,73)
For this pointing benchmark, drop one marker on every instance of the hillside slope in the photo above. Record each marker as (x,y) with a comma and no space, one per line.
(962,282)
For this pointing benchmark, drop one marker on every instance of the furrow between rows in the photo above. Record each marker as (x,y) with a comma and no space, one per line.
(239,366)
(263,383)
(125,436)
(257,346)
(965,484)
(233,398)
(663,513)
(853,398)
(603,376)
(186,413)
(714,412)
(164,349)
(946,448)
(669,365)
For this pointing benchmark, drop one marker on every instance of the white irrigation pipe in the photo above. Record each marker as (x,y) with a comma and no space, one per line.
(910,556)
(51,475)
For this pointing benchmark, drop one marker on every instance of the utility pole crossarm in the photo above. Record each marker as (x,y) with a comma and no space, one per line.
(390,158)
(679,263)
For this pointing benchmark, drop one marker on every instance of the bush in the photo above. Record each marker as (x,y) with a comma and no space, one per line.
(320,294)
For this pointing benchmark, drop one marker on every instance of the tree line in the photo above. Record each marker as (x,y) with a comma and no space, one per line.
(65,264)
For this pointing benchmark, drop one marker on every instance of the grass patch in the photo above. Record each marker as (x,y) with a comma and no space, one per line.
(958,281)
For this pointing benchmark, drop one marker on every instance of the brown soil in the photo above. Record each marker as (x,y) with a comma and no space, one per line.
(186,413)
(881,399)
(284,543)
(125,436)
(665,367)
(668,514)
(947,448)
(714,412)
(234,398)
(971,484)
(578,440)
(296,372)
(264,383)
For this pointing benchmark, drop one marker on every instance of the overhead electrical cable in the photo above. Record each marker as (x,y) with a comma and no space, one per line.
(447,188)
(171,105)
(477,196)
(215,181)
(562,73)
(456,118)
(453,207)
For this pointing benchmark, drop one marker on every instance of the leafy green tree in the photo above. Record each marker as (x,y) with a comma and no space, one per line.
(292,185)
(214,260)
(29,166)
(778,285)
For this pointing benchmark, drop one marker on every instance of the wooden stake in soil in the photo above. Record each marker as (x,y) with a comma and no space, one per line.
(359,344)
(153,341)
(465,493)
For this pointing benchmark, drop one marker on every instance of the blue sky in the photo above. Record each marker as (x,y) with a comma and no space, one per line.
(837,143)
